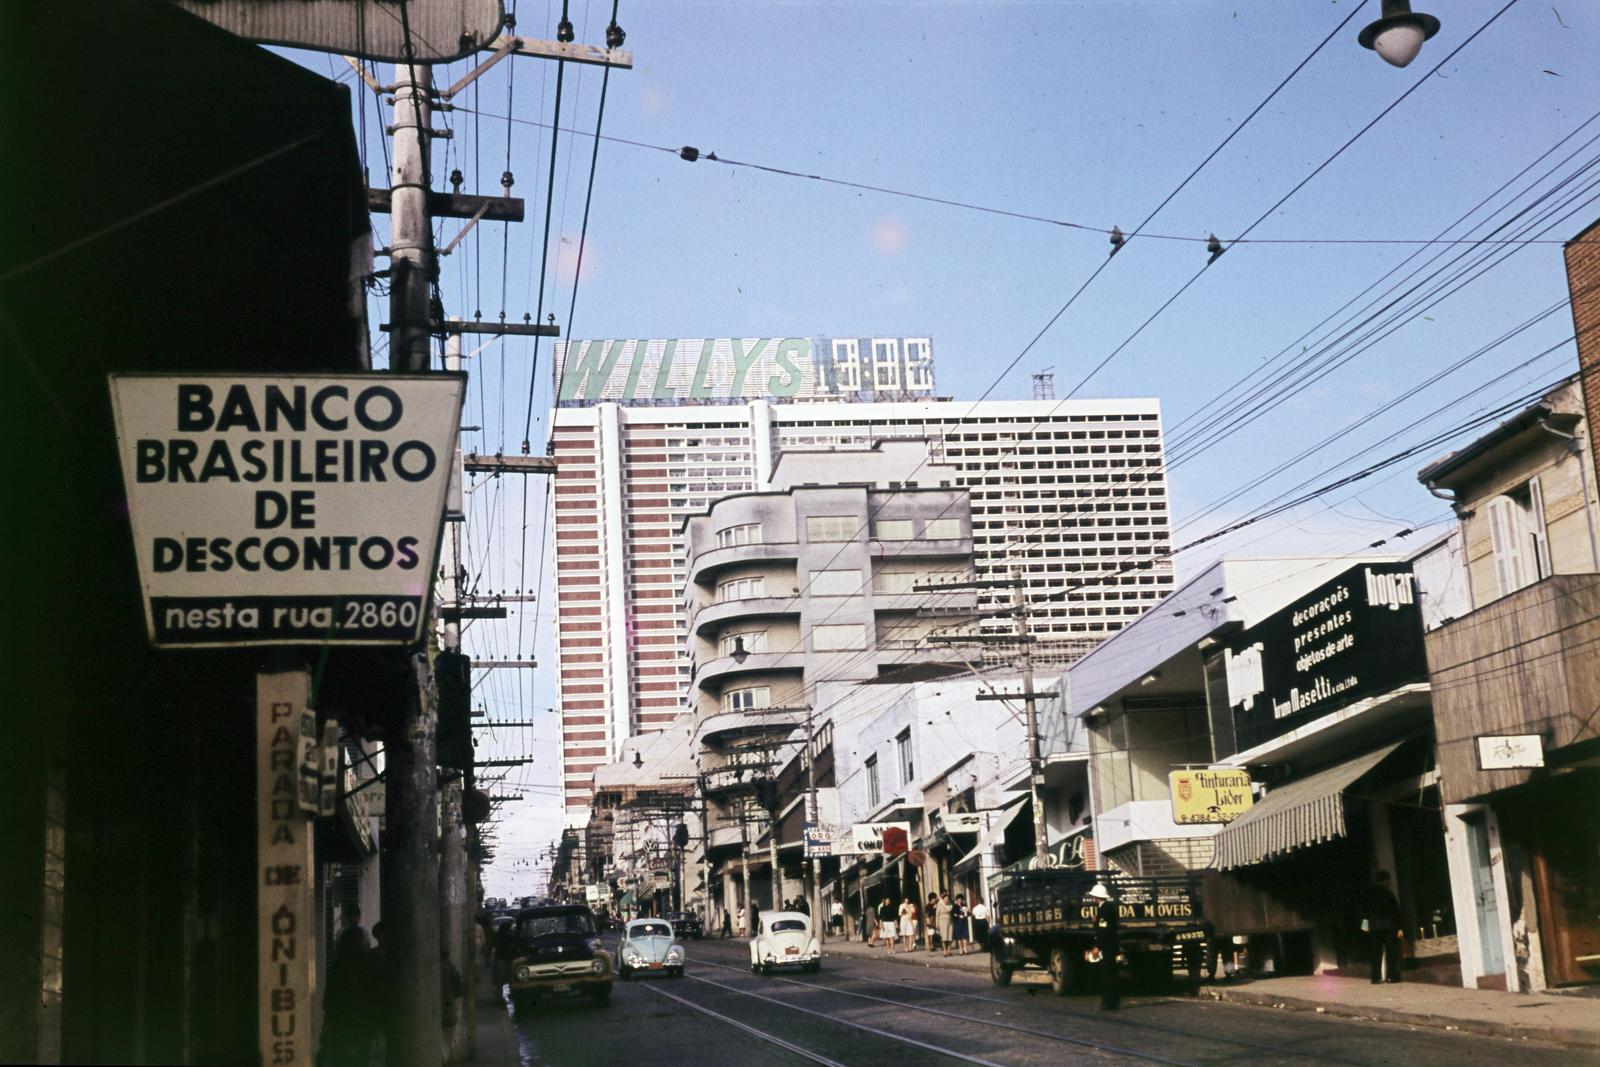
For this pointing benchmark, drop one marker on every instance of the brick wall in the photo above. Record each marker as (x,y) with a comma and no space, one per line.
(1583,282)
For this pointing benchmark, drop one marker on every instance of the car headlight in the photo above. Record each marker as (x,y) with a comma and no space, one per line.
(634,959)
(674,953)
(598,966)
(595,944)
(524,972)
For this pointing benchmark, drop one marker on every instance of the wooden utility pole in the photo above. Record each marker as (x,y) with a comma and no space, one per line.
(1024,639)
(410,865)
(411,882)
(1019,604)
(813,816)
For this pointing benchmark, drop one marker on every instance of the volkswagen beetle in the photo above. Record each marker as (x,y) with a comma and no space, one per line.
(649,945)
(784,939)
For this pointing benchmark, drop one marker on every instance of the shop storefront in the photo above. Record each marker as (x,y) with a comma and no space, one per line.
(1329,711)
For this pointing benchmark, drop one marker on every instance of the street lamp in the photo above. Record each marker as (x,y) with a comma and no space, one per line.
(739,653)
(1397,36)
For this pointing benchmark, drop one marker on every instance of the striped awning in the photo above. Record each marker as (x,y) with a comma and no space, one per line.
(1301,813)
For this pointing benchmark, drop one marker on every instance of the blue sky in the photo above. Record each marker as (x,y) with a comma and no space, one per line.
(1086,113)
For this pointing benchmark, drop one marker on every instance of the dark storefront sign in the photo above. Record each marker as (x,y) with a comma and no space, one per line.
(1356,636)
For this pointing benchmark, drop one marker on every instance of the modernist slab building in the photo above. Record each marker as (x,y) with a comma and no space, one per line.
(1072,493)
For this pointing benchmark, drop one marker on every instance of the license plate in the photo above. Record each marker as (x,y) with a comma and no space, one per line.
(655,966)
(792,951)
(563,988)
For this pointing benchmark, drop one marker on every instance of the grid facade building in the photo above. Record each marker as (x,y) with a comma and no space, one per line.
(1064,494)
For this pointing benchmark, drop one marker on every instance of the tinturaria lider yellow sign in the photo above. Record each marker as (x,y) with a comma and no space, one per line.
(1218,796)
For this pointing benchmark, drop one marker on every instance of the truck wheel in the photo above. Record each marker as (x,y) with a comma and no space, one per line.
(1063,971)
(999,971)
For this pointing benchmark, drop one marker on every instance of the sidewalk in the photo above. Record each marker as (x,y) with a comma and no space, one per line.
(1554,1018)
(496,1040)
(1558,1018)
(975,962)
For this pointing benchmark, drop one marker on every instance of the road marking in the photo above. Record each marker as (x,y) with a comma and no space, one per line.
(1076,1015)
(1099,1046)
(855,1026)
(1121,1020)
(771,1039)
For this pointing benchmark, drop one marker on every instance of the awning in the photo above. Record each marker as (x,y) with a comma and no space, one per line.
(995,833)
(877,876)
(1301,813)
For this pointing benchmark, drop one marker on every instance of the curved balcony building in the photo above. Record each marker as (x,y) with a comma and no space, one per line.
(813,583)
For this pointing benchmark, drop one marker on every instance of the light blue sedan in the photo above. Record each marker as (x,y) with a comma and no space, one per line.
(649,945)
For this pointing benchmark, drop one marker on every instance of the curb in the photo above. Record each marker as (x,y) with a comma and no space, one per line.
(910,959)
(1586,1039)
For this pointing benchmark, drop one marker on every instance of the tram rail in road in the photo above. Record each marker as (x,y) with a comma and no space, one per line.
(1098,1046)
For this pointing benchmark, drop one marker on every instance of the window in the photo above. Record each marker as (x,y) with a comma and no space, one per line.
(847,365)
(747,534)
(820,528)
(1518,538)
(754,641)
(885,363)
(835,583)
(892,530)
(902,751)
(873,796)
(837,637)
(742,589)
(894,582)
(942,529)
(758,696)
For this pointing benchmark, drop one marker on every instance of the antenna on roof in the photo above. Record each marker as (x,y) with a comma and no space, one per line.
(1044,384)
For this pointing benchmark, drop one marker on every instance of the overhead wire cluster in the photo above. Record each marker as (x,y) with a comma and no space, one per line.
(1272,383)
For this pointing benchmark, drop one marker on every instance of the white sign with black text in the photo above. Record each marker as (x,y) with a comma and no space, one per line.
(1507,752)
(273,510)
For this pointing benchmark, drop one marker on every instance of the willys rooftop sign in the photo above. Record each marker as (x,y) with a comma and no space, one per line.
(272,510)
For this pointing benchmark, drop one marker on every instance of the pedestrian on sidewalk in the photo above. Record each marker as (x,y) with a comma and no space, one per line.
(960,925)
(1108,943)
(349,1021)
(930,922)
(908,923)
(836,918)
(980,925)
(886,929)
(742,927)
(944,913)
(727,923)
(1382,926)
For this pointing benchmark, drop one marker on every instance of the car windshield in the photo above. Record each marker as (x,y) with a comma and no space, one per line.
(652,930)
(786,924)
(544,925)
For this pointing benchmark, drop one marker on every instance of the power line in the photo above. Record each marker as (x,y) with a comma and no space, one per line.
(712,157)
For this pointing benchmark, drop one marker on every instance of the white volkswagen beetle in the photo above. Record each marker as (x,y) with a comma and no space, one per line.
(649,945)
(784,940)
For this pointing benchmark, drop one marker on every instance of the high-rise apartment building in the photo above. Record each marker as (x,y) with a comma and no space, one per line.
(1065,493)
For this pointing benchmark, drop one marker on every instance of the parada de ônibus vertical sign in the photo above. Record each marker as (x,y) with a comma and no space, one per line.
(286,510)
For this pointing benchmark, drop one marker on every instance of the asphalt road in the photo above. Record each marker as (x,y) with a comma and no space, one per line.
(876,1014)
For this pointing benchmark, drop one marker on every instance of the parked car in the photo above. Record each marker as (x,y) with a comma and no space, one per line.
(686,924)
(784,939)
(649,945)
(555,951)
